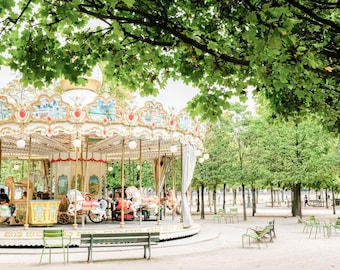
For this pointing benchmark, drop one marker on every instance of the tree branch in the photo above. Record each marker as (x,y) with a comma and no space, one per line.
(163,23)
(311,14)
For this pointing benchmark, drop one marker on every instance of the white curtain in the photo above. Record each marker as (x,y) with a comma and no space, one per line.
(189,163)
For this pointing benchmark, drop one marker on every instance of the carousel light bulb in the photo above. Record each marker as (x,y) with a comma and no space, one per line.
(76,143)
(16,167)
(198,153)
(201,160)
(206,156)
(132,144)
(138,167)
(173,148)
(21,143)
(110,169)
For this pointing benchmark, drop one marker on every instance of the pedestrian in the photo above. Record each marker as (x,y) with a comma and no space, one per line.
(306,200)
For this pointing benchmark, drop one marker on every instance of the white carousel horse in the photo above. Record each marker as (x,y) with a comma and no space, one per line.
(75,197)
(102,209)
(139,201)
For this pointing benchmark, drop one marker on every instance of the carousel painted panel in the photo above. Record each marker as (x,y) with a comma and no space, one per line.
(62,185)
(94,185)
(43,212)
(64,166)
(77,182)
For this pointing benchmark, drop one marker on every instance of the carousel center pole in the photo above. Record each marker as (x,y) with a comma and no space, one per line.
(173,183)
(84,174)
(76,144)
(140,177)
(159,183)
(122,185)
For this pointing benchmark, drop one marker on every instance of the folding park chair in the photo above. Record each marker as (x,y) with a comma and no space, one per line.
(55,239)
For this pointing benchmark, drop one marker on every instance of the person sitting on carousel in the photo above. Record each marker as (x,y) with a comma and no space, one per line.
(8,209)
(3,197)
(126,204)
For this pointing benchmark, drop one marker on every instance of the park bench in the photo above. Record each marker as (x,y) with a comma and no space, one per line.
(145,239)
(316,203)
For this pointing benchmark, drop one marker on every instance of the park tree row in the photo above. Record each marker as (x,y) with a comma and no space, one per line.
(263,152)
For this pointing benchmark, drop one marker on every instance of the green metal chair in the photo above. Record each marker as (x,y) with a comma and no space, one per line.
(257,234)
(317,225)
(306,223)
(335,224)
(219,215)
(56,239)
(233,213)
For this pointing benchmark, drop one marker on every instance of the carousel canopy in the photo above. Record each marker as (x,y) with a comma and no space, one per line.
(51,123)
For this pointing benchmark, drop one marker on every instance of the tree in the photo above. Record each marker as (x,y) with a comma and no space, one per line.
(227,147)
(287,50)
(131,175)
(295,155)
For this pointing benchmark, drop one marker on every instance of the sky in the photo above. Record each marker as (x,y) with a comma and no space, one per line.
(175,95)
(6,75)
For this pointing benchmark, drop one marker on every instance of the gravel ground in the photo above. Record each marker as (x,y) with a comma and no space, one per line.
(217,246)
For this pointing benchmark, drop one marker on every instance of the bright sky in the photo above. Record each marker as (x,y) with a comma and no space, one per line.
(6,75)
(176,94)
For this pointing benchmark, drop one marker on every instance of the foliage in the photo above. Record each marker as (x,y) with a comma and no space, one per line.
(287,50)
(227,143)
(291,153)
(131,175)
(266,153)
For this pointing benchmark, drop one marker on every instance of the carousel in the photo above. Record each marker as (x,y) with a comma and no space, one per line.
(75,136)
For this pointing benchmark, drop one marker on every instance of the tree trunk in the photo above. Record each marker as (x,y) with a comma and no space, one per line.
(271,197)
(224,195)
(198,200)
(234,196)
(214,200)
(244,203)
(210,202)
(296,201)
(333,200)
(253,193)
(202,201)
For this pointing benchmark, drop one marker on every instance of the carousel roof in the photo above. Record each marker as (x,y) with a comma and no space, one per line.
(50,124)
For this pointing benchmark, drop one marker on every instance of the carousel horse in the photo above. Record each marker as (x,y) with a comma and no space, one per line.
(77,201)
(139,201)
(170,200)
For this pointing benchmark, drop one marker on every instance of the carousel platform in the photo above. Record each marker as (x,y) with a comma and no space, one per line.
(19,236)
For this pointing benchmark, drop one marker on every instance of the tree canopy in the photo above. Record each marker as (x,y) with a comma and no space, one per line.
(288,50)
